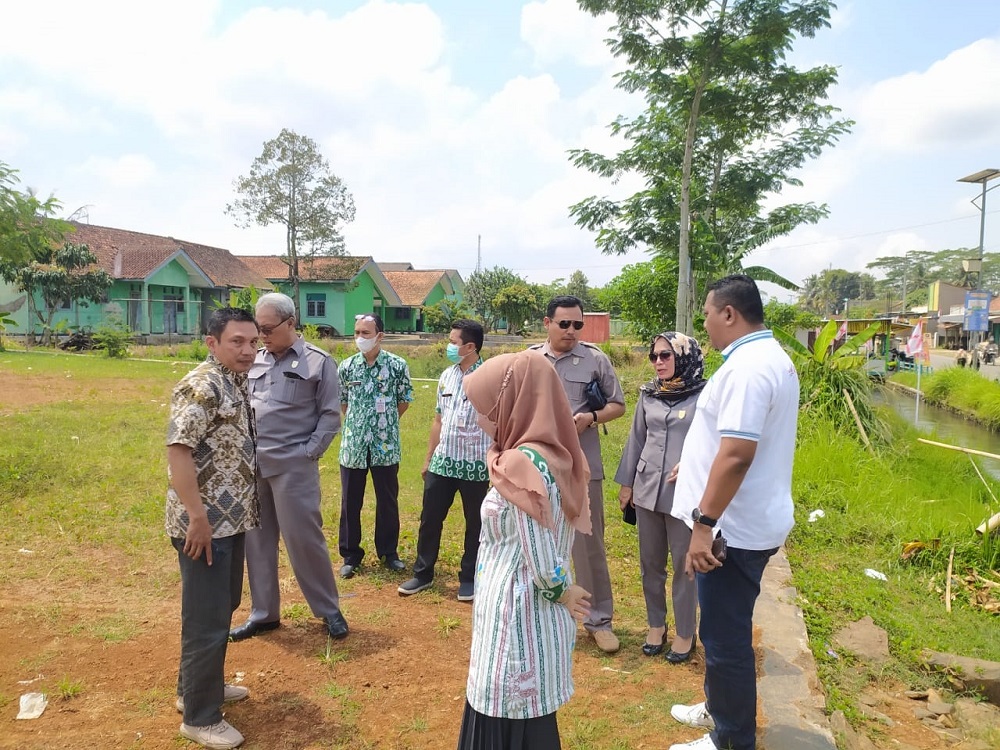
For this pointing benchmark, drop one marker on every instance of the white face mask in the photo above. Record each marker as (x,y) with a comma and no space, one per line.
(366,345)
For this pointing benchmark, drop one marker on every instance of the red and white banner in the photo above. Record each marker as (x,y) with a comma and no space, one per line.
(841,332)
(915,345)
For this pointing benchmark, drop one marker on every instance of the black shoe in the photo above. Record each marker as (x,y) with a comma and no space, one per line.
(414,586)
(347,570)
(336,626)
(251,628)
(394,564)
(655,650)
(676,658)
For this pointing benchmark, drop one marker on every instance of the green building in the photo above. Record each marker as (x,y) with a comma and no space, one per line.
(162,286)
(417,290)
(332,289)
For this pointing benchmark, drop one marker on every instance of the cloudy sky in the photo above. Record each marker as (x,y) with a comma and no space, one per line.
(451,119)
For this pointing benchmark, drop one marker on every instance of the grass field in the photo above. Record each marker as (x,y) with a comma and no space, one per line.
(83,556)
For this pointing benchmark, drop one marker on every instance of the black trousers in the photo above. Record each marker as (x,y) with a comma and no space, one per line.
(209,596)
(439,494)
(353,482)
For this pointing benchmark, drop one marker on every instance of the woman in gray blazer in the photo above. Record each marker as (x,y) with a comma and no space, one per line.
(662,417)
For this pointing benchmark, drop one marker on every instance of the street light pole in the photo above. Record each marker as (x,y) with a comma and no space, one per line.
(981,177)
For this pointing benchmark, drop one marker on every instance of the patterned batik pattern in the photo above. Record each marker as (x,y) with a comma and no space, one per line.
(370,434)
(210,413)
(461,451)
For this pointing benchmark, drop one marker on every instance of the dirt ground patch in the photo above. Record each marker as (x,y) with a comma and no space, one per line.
(398,681)
(18,393)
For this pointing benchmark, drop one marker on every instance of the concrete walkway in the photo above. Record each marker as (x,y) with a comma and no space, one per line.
(789,691)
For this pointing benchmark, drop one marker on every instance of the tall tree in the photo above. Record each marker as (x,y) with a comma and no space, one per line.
(518,304)
(726,125)
(27,224)
(59,276)
(290,183)
(482,288)
(824,293)
(643,294)
(579,286)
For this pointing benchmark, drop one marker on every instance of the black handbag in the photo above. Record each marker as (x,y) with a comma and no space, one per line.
(596,400)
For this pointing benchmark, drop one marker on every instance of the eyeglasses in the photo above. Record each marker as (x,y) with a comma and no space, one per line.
(364,316)
(565,324)
(268,330)
(663,356)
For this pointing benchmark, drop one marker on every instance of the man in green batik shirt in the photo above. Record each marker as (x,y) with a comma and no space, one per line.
(456,462)
(375,390)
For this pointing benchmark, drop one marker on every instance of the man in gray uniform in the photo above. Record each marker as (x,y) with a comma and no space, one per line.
(295,393)
(578,363)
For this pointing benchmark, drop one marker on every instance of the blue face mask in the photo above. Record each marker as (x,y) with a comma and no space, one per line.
(452,353)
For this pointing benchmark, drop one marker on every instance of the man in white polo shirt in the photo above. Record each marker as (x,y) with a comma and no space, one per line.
(735,476)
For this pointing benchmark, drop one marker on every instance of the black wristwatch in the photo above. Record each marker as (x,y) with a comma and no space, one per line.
(698,517)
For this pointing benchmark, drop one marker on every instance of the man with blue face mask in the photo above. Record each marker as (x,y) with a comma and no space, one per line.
(456,462)
(375,390)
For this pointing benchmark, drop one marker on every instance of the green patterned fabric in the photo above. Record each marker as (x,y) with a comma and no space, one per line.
(370,435)
(461,451)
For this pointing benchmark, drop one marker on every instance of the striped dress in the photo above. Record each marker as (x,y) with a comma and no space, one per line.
(522,640)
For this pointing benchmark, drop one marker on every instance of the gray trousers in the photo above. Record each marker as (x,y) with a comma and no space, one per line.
(660,533)
(591,563)
(290,506)
(209,596)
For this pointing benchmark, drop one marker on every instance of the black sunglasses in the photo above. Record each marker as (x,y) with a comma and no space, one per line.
(663,356)
(268,330)
(565,324)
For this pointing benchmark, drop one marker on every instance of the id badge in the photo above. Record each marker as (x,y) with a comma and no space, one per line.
(380,405)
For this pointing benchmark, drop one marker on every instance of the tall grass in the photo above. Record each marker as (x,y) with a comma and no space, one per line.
(874,505)
(961,389)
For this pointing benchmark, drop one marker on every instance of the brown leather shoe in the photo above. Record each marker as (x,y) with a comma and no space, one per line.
(606,640)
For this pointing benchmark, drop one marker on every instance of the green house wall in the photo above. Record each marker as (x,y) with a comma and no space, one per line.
(343,302)
(145,307)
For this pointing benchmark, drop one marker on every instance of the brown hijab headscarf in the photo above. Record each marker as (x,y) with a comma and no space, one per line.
(521,401)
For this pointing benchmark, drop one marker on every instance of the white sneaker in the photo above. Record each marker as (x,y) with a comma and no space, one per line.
(231,694)
(705,743)
(221,736)
(696,716)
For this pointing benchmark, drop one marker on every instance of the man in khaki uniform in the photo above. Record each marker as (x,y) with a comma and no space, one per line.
(577,364)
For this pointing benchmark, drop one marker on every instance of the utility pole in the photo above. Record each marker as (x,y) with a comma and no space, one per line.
(479,253)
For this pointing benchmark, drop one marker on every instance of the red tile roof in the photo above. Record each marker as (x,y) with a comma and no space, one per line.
(413,287)
(135,255)
(323,268)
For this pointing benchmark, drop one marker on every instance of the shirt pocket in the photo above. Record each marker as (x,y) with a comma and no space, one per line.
(229,408)
(294,389)
(576,382)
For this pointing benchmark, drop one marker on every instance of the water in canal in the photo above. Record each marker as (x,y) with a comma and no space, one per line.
(947,426)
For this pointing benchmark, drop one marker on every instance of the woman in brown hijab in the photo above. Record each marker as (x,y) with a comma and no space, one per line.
(523,632)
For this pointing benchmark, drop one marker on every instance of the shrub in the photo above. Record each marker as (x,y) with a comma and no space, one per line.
(113,337)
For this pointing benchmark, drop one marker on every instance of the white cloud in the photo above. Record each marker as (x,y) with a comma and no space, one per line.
(559,30)
(950,103)
(126,171)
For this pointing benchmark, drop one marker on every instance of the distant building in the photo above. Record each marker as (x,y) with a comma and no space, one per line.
(420,289)
(162,286)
